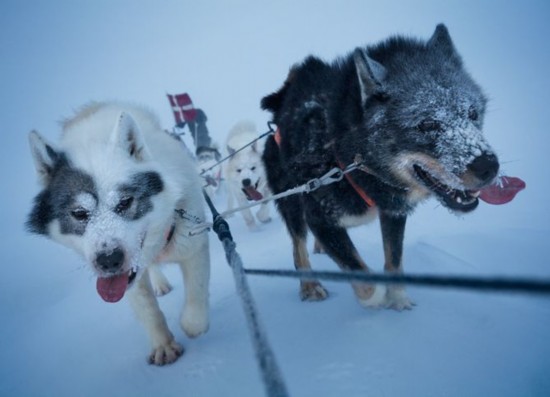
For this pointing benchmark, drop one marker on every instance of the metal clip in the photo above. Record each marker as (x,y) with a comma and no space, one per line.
(334,175)
(312,185)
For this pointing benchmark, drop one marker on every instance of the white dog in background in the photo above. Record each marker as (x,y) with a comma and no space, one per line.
(245,173)
(124,195)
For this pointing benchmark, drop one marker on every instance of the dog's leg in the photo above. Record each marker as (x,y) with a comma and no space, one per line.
(196,276)
(160,284)
(317,247)
(309,290)
(393,232)
(338,245)
(246,213)
(165,349)
(263,213)
(291,210)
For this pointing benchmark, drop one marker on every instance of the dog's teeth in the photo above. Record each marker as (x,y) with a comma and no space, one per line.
(458,199)
(475,194)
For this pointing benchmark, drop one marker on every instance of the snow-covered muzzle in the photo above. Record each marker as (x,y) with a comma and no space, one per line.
(117,270)
(456,199)
(458,192)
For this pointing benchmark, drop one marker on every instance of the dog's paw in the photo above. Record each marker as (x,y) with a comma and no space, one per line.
(251,224)
(397,299)
(318,248)
(194,322)
(372,296)
(161,289)
(264,219)
(159,282)
(166,354)
(312,291)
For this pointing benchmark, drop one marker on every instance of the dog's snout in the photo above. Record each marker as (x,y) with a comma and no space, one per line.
(485,167)
(247,182)
(110,261)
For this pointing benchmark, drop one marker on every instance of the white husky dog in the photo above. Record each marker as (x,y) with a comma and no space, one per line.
(124,195)
(245,173)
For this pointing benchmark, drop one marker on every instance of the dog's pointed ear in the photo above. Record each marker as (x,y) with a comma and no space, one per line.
(441,41)
(370,74)
(44,155)
(127,136)
(230,150)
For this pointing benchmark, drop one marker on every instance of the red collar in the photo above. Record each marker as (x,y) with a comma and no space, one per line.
(366,198)
(277,137)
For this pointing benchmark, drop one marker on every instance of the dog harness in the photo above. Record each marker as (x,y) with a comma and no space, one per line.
(361,192)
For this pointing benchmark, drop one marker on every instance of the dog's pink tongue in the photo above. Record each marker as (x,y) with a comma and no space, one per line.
(503,191)
(112,289)
(252,194)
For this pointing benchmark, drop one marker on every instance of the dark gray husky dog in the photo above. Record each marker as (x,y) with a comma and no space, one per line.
(411,113)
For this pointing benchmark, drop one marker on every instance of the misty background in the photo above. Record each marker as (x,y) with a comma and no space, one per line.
(57,55)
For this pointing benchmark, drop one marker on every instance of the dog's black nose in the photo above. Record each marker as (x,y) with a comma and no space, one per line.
(247,182)
(110,261)
(485,167)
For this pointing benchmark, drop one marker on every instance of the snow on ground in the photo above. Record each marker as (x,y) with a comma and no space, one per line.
(58,338)
(66,341)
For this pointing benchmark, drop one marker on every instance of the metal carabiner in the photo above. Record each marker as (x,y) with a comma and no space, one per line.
(334,175)
(312,185)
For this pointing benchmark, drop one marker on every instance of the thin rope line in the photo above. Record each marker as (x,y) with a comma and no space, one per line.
(503,284)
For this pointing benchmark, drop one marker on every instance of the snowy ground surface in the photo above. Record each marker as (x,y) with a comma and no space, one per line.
(63,340)
(58,338)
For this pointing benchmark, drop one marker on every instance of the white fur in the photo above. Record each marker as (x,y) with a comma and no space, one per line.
(110,142)
(246,164)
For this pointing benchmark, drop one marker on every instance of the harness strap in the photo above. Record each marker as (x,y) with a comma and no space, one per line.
(361,192)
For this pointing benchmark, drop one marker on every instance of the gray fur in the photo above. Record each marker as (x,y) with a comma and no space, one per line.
(140,189)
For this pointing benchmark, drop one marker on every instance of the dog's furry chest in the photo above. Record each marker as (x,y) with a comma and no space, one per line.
(340,204)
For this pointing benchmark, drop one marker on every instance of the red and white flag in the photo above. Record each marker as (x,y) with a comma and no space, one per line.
(183,108)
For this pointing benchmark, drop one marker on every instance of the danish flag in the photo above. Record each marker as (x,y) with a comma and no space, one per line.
(183,108)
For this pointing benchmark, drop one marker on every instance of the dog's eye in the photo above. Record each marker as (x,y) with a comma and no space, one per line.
(80,214)
(473,114)
(124,204)
(252,168)
(239,170)
(429,125)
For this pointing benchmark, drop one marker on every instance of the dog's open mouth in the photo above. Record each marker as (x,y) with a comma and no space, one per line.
(112,289)
(251,192)
(454,199)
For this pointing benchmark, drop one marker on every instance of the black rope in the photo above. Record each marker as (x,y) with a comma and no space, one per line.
(271,375)
(521,285)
